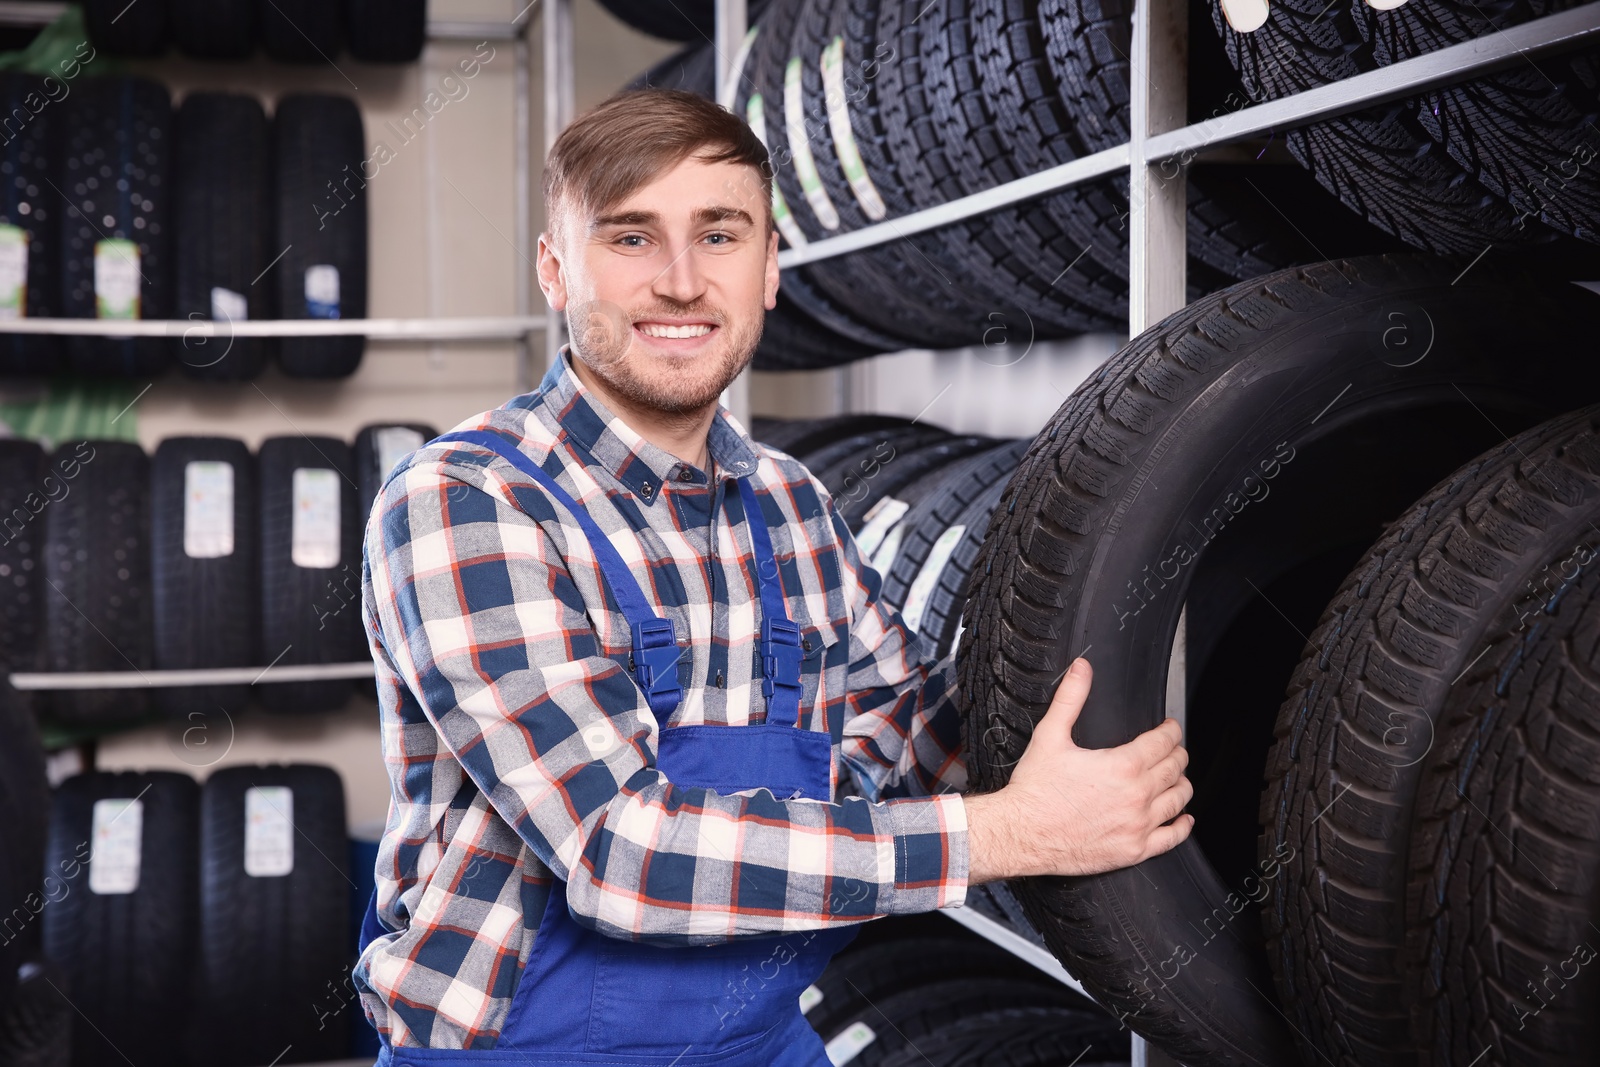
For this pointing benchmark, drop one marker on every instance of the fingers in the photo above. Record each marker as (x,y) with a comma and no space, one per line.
(1167,772)
(1068,701)
(1167,838)
(1167,806)
(1155,745)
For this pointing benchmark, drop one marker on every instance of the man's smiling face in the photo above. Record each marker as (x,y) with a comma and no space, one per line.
(667,290)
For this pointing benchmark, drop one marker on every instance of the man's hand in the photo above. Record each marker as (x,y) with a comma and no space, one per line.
(1070,810)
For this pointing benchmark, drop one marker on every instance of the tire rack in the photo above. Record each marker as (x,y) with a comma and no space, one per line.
(1157,217)
(1158,84)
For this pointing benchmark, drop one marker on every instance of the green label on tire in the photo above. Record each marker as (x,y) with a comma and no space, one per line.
(805,164)
(755,113)
(927,578)
(13,272)
(116,279)
(730,91)
(844,138)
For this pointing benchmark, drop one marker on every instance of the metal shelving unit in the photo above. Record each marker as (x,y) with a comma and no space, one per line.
(1158,205)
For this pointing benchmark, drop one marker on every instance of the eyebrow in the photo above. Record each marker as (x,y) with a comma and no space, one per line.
(702,216)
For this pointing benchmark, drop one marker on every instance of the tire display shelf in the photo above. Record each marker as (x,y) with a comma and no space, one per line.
(1158,207)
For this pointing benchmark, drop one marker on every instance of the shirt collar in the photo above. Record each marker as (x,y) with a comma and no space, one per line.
(614,446)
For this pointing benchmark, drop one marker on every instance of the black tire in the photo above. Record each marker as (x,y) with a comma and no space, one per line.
(387,31)
(96,571)
(801,437)
(1243,220)
(318,138)
(36,1025)
(27,202)
(693,70)
(124,30)
(223,231)
(683,20)
(1057,573)
(379,448)
(1015,247)
(302,31)
(1378,161)
(793,340)
(935,563)
(860,977)
(23,497)
(214,29)
(309,614)
(868,452)
(25,803)
(1507,129)
(128,956)
(901,1020)
(860,493)
(1494,938)
(204,605)
(940,504)
(275,949)
(1361,718)
(1020,1037)
(123,125)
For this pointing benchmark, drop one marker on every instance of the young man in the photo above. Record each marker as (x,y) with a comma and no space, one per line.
(632,669)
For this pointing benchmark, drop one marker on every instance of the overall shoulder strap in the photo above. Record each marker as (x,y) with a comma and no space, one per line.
(780,637)
(655,651)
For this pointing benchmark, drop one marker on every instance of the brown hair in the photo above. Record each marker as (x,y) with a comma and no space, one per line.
(635,137)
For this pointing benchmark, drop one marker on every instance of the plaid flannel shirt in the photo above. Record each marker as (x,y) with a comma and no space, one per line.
(521,755)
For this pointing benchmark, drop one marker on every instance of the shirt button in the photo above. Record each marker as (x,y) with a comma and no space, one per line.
(686,475)
(645,488)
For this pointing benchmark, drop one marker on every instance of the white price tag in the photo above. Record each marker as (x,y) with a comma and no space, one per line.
(322,291)
(848,1043)
(883,558)
(228,306)
(879,519)
(207,510)
(314,540)
(810,997)
(394,444)
(927,579)
(268,831)
(13,272)
(116,279)
(117,827)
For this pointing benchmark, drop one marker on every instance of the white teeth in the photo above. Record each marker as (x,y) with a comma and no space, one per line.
(652,329)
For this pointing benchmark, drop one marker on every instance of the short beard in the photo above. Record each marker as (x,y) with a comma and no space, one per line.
(602,338)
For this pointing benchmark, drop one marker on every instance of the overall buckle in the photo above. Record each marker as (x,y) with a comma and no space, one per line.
(780,656)
(655,656)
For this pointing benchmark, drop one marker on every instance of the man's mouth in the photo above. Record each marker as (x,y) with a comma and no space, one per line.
(670,330)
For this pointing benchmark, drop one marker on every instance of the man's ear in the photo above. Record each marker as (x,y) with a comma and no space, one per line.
(772,271)
(552,281)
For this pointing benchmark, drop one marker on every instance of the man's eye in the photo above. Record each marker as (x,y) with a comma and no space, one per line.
(719,238)
(632,240)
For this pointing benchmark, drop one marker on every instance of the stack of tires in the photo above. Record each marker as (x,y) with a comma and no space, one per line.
(166,922)
(872,109)
(201,556)
(917,991)
(1349,492)
(1505,158)
(917,498)
(121,207)
(289,31)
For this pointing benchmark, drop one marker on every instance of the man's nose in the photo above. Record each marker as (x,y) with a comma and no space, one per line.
(681,279)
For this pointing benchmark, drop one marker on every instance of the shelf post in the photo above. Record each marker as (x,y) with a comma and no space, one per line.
(527,232)
(733,22)
(560,102)
(1158,241)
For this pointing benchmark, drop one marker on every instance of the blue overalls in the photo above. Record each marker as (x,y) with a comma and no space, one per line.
(587,999)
